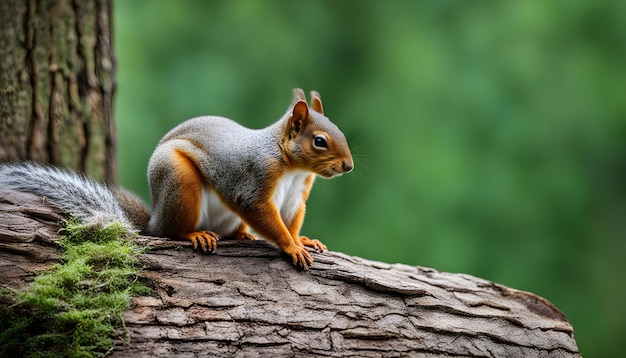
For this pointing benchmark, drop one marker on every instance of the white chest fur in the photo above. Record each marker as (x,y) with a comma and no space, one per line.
(217,217)
(288,193)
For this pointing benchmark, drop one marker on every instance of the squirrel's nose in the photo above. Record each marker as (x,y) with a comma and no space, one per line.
(347,166)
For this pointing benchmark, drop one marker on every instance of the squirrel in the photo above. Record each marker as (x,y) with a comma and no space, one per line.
(211,177)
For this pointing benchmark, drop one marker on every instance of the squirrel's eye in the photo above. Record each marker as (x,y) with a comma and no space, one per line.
(320,141)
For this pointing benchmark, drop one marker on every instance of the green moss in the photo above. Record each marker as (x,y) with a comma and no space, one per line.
(72,309)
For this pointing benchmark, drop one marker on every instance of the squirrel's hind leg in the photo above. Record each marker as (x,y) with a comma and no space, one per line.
(177,203)
(206,240)
(242,233)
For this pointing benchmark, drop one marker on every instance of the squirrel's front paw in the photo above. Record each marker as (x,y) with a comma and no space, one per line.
(301,258)
(316,244)
(207,240)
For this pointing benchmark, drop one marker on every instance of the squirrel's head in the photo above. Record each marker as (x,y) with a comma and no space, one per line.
(312,141)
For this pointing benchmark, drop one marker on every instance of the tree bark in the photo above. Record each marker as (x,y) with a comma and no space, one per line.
(248,300)
(57,84)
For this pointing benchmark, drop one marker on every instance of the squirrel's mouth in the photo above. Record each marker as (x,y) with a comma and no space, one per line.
(328,172)
(336,170)
(331,175)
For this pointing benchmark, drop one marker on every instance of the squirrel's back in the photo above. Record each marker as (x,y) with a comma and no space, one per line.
(224,139)
(233,158)
(88,200)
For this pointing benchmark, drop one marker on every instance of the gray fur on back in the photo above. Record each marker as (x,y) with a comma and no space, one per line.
(233,158)
(90,201)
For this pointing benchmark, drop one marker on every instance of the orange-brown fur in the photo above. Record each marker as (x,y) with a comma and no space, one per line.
(189,191)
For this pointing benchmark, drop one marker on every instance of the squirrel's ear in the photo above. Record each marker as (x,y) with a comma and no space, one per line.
(316,102)
(298,95)
(298,118)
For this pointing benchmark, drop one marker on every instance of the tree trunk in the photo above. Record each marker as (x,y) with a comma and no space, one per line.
(248,300)
(57,84)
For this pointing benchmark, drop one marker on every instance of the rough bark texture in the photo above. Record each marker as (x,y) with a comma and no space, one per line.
(57,83)
(247,300)
(28,231)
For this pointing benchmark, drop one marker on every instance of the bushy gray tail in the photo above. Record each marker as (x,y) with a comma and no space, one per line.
(91,202)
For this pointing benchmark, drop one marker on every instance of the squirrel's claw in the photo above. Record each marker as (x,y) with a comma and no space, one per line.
(207,240)
(301,258)
(316,244)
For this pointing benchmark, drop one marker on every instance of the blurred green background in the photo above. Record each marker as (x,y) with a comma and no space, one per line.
(489,137)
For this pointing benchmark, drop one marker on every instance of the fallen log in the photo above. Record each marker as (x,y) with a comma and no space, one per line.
(248,300)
